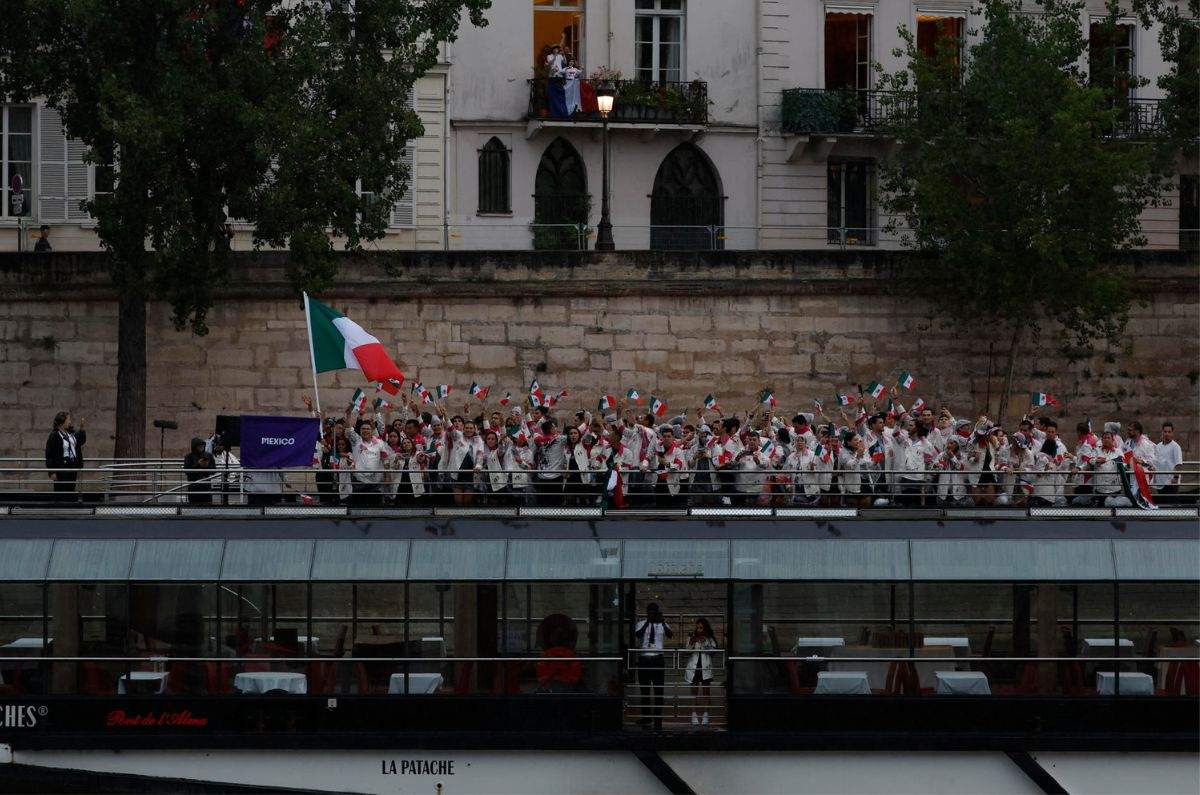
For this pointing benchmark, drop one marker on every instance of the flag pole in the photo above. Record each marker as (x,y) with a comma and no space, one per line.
(312,354)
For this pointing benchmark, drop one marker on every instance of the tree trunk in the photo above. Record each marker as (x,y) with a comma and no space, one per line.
(1006,392)
(131,375)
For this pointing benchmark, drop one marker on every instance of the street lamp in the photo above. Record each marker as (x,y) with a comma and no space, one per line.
(605,95)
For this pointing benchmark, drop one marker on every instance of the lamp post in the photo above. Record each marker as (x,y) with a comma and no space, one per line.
(605,95)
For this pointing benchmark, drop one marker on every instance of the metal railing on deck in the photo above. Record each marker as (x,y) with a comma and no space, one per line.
(748,489)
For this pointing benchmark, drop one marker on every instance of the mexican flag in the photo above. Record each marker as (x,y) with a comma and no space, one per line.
(536,395)
(918,406)
(635,396)
(876,390)
(767,398)
(710,402)
(338,343)
(907,380)
(479,392)
(420,389)
(381,403)
(504,401)
(657,406)
(1134,483)
(1042,399)
(358,402)
(843,400)
(391,386)
(443,391)
(608,402)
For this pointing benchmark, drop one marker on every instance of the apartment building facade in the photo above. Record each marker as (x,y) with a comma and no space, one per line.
(730,129)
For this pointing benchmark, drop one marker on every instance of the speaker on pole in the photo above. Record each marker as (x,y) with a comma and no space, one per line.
(229,428)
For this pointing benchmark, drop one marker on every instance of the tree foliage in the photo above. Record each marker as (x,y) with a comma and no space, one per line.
(1179,42)
(270,112)
(1014,173)
(259,110)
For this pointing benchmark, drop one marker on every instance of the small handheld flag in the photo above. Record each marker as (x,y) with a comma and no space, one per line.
(817,405)
(907,380)
(918,406)
(710,403)
(478,392)
(420,389)
(658,407)
(876,390)
(443,391)
(844,400)
(536,396)
(607,402)
(504,401)
(380,403)
(1042,399)
(359,401)
(635,396)
(767,398)
(768,447)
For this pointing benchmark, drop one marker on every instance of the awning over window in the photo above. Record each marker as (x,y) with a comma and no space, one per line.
(465,560)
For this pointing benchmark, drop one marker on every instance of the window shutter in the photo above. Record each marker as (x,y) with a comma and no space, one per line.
(77,181)
(402,210)
(52,185)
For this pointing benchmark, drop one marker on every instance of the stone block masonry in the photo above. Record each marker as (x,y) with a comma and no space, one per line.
(678,325)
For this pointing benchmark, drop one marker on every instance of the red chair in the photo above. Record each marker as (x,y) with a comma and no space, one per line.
(1027,685)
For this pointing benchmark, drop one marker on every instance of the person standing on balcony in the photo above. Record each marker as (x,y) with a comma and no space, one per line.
(571,76)
(1167,456)
(64,453)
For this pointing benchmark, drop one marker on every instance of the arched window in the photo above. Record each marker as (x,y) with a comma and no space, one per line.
(561,203)
(686,207)
(494,186)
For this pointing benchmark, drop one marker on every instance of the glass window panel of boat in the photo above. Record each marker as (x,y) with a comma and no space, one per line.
(856,613)
(333,611)
(265,618)
(88,620)
(539,613)
(172,619)
(20,634)
(1158,616)
(979,613)
(431,615)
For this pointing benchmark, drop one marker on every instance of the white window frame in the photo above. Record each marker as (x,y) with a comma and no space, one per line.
(33,191)
(863,10)
(657,14)
(1134,46)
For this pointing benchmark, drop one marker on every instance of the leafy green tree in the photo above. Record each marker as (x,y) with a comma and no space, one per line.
(1179,42)
(1014,175)
(271,112)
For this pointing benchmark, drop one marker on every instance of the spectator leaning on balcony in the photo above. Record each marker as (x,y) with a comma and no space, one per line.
(64,452)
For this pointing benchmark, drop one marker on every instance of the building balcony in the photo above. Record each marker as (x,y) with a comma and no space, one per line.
(824,111)
(683,104)
(808,111)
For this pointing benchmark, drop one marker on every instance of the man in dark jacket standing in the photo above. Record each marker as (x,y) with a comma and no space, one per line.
(64,453)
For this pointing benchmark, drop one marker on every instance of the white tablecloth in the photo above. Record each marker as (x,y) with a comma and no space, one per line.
(27,643)
(842,683)
(265,681)
(143,676)
(956,643)
(1131,684)
(818,643)
(1098,645)
(962,683)
(302,640)
(418,684)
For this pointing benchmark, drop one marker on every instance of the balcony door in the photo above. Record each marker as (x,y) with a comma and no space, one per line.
(659,40)
(557,22)
(847,50)
(561,203)
(686,207)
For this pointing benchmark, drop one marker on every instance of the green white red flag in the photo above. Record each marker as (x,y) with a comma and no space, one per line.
(843,399)
(767,398)
(658,407)
(1042,399)
(338,343)
(710,403)
(907,380)
(635,396)
(358,401)
(876,390)
(608,402)
(479,392)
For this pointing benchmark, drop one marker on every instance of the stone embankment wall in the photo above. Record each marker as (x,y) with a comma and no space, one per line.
(803,324)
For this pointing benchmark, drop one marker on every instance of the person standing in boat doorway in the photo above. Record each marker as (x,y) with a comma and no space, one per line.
(648,637)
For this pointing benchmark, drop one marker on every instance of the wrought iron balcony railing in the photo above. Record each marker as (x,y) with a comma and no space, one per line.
(807,111)
(837,110)
(636,101)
